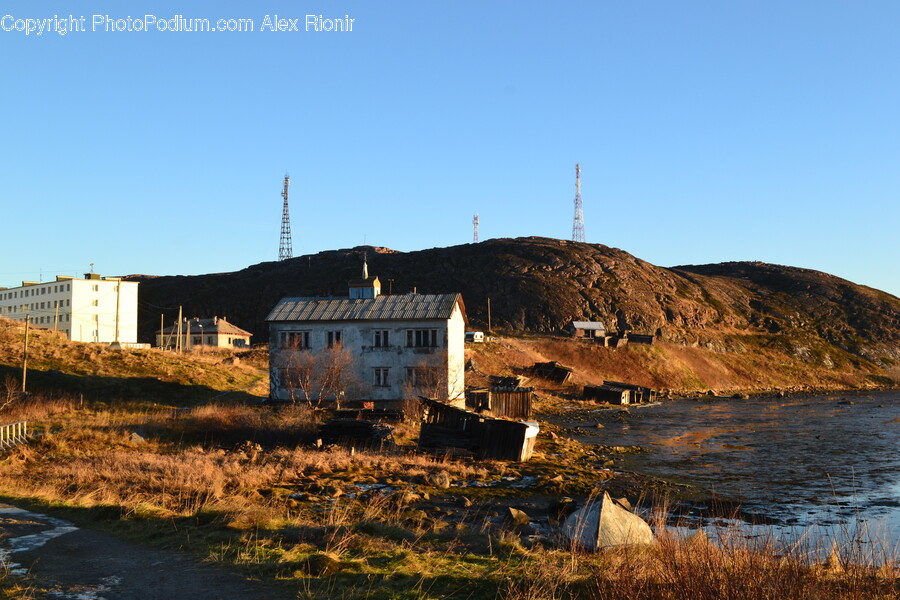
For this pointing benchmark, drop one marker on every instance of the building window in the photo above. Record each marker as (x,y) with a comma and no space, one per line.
(42,306)
(334,338)
(382,376)
(298,340)
(95,303)
(421,377)
(382,339)
(95,288)
(198,340)
(421,338)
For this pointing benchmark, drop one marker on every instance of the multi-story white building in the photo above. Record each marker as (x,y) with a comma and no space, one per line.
(93,309)
(394,347)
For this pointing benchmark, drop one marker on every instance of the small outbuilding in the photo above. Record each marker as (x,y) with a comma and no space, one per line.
(607,393)
(215,332)
(587,329)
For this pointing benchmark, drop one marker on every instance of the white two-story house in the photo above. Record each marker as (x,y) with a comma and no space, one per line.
(393,347)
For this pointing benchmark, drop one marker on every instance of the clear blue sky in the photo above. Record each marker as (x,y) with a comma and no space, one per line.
(707,131)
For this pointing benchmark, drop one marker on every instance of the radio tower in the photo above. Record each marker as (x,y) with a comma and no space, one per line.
(284,247)
(475,226)
(578,225)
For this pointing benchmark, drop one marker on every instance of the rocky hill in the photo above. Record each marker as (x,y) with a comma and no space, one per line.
(539,284)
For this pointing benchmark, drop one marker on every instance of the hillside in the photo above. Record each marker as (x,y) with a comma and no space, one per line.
(539,284)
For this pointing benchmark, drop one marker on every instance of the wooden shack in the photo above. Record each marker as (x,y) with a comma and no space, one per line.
(510,402)
(552,371)
(587,329)
(607,393)
(639,393)
(445,426)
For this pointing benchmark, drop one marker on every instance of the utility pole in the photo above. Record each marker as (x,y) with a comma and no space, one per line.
(25,353)
(55,314)
(118,303)
(178,345)
(187,336)
(489,314)
(162,331)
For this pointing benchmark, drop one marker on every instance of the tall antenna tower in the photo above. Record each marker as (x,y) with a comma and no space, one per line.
(475,226)
(578,225)
(284,247)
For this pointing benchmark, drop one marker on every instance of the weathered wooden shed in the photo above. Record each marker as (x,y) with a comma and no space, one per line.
(639,393)
(445,426)
(552,371)
(497,401)
(587,329)
(607,393)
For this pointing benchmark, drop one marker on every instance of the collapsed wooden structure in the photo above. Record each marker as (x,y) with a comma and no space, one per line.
(552,371)
(445,426)
(357,433)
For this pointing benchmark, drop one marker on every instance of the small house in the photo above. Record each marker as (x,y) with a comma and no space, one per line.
(610,394)
(215,332)
(587,329)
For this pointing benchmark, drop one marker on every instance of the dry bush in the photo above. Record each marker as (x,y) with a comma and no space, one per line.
(31,407)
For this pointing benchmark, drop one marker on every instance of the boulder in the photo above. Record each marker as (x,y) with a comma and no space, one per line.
(602,523)
(440,480)
(517,517)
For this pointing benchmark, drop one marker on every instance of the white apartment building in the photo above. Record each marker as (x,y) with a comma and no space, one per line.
(93,309)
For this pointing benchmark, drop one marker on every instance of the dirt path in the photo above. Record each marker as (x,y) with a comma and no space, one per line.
(68,562)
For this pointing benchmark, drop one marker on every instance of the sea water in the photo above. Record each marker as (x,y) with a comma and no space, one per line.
(829,463)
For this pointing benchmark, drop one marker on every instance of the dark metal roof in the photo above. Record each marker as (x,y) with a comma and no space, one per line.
(405,307)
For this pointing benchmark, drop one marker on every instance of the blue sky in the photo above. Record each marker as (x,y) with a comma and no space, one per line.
(707,131)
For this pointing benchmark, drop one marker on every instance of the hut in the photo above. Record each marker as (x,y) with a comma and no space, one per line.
(445,426)
(607,393)
(587,329)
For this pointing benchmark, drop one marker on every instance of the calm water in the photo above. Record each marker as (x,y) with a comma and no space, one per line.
(830,461)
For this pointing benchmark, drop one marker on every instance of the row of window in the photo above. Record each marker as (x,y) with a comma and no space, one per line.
(39,306)
(417,377)
(48,320)
(197,340)
(28,292)
(381,338)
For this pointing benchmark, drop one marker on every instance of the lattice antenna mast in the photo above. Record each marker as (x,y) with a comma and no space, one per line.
(475,227)
(578,225)
(284,247)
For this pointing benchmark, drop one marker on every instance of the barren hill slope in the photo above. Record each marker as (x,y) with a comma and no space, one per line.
(539,284)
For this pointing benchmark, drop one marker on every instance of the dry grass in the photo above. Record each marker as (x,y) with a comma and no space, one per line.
(279,512)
